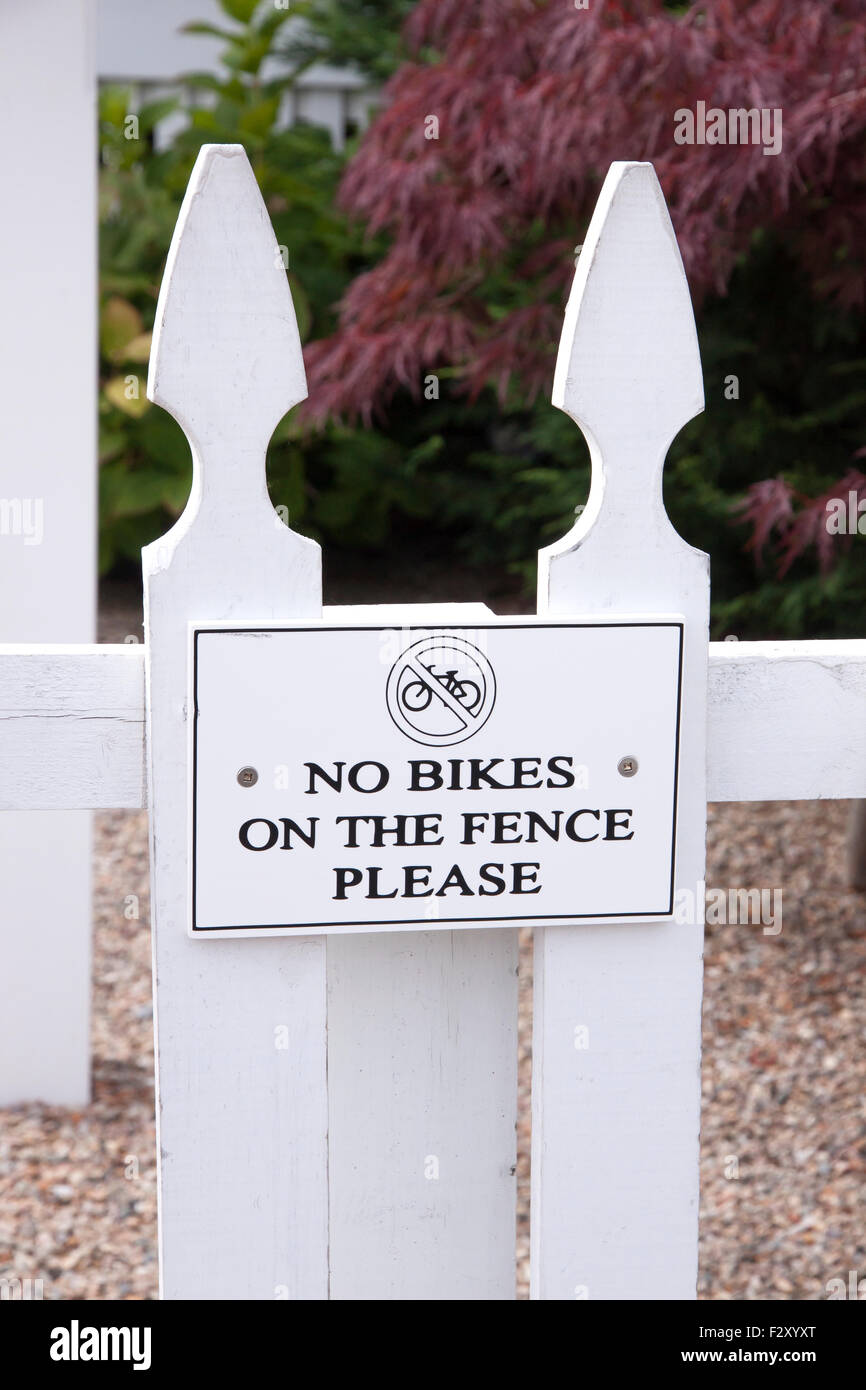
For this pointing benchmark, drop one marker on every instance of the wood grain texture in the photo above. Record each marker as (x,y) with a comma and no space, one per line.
(786,720)
(240,1026)
(72,720)
(422,1071)
(71,727)
(422,1105)
(48,469)
(616,1109)
(253,1035)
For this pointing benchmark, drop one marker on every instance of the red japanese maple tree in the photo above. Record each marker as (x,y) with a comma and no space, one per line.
(486,159)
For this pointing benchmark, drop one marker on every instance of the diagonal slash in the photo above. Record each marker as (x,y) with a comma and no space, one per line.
(441,693)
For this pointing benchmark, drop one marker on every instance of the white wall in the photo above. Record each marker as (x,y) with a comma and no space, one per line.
(142,40)
(142,44)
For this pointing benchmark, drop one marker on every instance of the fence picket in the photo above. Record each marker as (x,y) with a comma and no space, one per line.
(243,1203)
(422,1074)
(245,1199)
(616,1121)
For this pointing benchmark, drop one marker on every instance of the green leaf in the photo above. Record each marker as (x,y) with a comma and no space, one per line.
(247,54)
(127,394)
(259,118)
(241,10)
(425,452)
(138,350)
(119,323)
(303,312)
(164,443)
(207,82)
(198,27)
(203,119)
(286,481)
(154,111)
(111,443)
(127,491)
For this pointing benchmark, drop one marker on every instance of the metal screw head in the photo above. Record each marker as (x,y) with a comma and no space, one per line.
(627,767)
(248,777)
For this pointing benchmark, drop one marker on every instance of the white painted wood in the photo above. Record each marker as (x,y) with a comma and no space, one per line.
(242,1105)
(616,1109)
(422,1075)
(71,727)
(48,361)
(227,364)
(786,720)
(72,719)
(422,1049)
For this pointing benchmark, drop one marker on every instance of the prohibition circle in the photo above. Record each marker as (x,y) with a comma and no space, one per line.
(441,690)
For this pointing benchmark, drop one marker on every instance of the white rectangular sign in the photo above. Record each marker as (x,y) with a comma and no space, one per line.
(361,778)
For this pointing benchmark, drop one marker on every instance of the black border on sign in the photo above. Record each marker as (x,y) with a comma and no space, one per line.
(413,921)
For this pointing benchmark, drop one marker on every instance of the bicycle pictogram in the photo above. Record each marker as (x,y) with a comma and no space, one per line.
(417,695)
(441,690)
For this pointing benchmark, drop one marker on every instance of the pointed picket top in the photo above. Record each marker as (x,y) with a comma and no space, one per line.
(226,360)
(615,1141)
(629,368)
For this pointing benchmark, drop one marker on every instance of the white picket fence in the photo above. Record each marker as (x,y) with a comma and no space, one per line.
(304,1171)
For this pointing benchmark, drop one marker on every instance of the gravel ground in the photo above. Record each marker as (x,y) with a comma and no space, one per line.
(784,1130)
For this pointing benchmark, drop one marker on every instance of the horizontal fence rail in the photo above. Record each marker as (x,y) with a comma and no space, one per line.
(72,722)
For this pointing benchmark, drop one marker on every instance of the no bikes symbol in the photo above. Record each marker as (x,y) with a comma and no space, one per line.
(441,690)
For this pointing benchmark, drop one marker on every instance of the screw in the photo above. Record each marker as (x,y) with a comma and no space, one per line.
(627,767)
(248,777)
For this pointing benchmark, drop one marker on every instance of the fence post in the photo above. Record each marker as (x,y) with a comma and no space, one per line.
(303,1082)
(48,468)
(616,1050)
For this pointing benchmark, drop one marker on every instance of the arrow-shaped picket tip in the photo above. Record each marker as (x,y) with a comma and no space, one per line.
(226,360)
(629,368)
